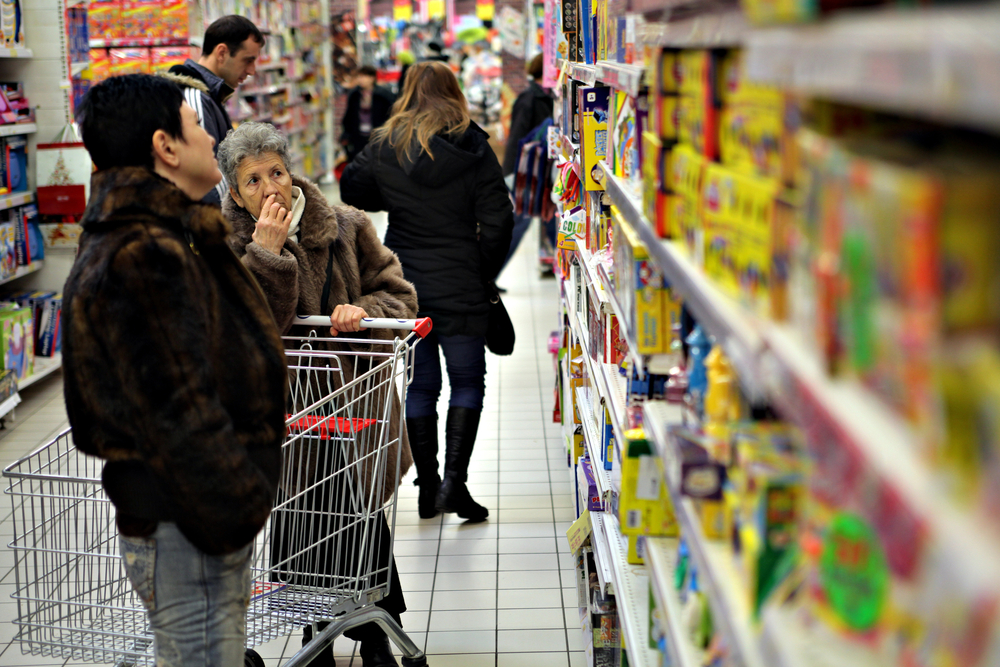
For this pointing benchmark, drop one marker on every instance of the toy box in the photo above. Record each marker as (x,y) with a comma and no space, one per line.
(162,58)
(665,72)
(129,61)
(640,287)
(174,19)
(100,66)
(17,335)
(104,19)
(15,157)
(8,249)
(590,498)
(49,327)
(644,505)
(141,18)
(594,109)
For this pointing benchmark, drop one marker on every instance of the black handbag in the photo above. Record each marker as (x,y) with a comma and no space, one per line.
(499,330)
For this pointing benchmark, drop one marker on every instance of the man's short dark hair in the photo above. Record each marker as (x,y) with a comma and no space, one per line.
(535,65)
(367,70)
(119,116)
(232,31)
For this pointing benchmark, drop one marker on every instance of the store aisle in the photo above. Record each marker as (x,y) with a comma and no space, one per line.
(498,594)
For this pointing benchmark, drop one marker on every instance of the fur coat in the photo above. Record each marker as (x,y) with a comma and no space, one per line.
(175,373)
(364,273)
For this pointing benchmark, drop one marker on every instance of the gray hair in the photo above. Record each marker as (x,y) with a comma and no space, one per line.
(250,140)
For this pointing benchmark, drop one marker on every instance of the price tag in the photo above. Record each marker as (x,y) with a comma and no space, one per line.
(579,531)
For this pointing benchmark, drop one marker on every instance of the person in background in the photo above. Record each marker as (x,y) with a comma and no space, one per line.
(174,371)
(435,51)
(531,108)
(368,107)
(301,249)
(229,55)
(450,219)
(405,59)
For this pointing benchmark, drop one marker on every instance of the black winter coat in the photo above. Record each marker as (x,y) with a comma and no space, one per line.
(530,110)
(175,373)
(382,101)
(435,206)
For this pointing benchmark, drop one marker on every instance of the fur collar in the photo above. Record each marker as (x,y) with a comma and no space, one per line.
(318,228)
(185,80)
(121,194)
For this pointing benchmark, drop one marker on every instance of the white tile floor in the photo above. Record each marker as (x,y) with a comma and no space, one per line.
(497,594)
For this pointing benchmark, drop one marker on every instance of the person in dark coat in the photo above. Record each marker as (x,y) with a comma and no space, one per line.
(229,55)
(530,110)
(175,372)
(301,249)
(368,107)
(450,220)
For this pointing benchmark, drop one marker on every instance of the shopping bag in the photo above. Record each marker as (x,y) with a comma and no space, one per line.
(63,172)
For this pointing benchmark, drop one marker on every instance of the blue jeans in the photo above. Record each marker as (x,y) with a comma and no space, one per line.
(465,357)
(197,604)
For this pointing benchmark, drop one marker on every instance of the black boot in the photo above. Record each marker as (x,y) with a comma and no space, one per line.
(377,653)
(423,436)
(460,438)
(324,659)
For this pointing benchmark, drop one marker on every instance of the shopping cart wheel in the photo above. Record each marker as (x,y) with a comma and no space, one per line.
(415,662)
(252,659)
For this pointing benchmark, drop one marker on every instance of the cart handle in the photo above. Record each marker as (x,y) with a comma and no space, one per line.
(422,325)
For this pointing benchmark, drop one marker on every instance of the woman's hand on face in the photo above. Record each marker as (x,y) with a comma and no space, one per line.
(346,318)
(272,226)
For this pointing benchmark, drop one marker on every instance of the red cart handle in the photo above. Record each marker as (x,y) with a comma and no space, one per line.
(421,326)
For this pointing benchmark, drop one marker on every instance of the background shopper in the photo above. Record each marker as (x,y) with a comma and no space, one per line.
(450,221)
(229,55)
(368,107)
(299,247)
(157,309)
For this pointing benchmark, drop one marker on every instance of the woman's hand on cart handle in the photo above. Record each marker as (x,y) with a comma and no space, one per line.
(421,326)
(346,318)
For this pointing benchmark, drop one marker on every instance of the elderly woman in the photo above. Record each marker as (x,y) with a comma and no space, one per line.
(312,258)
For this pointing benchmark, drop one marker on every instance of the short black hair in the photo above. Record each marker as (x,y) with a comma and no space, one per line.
(232,31)
(119,116)
(367,70)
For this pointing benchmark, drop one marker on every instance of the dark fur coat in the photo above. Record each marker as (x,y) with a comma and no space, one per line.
(175,373)
(364,273)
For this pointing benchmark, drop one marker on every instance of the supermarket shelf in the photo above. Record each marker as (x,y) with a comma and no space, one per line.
(138,41)
(593,440)
(718,313)
(16,52)
(727,593)
(75,69)
(939,63)
(22,271)
(44,366)
(716,29)
(264,90)
(631,587)
(583,73)
(661,562)
(627,78)
(610,386)
(9,404)
(602,552)
(16,199)
(17,128)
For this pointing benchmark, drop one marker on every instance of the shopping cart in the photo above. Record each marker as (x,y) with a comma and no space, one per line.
(324,555)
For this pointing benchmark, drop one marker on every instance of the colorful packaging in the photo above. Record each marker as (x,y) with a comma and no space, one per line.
(644,506)
(49,327)
(8,249)
(17,336)
(104,20)
(162,58)
(100,66)
(174,19)
(594,109)
(141,17)
(129,61)
(641,289)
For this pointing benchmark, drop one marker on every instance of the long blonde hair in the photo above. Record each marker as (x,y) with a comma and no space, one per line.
(431,104)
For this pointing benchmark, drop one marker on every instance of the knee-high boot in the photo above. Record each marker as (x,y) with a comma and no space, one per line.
(460,438)
(424,445)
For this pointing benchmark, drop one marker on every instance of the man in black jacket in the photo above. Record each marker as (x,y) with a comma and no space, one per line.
(229,55)
(175,372)
(368,107)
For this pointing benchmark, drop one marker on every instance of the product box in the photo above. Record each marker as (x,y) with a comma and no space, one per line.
(587,485)
(17,336)
(49,327)
(162,58)
(8,384)
(640,289)
(608,447)
(141,18)
(174,19)
(8,249)
(104,19)
(100,66)
(15,157)
(594,108)
(129,61)
(644,506)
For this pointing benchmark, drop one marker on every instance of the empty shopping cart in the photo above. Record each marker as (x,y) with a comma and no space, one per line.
(324,555)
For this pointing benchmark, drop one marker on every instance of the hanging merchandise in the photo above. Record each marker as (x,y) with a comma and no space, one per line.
(63,172)
(512,32)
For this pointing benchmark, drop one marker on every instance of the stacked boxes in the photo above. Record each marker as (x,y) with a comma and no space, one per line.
(644,506)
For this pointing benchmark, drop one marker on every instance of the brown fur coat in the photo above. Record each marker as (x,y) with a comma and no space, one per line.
(174,370)
(365,274)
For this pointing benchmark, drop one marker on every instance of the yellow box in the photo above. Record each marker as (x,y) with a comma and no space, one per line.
(644,506)
(666,72)
(664,116)
(641,288)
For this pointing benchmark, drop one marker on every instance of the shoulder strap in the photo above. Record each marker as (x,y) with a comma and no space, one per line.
(325,299)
